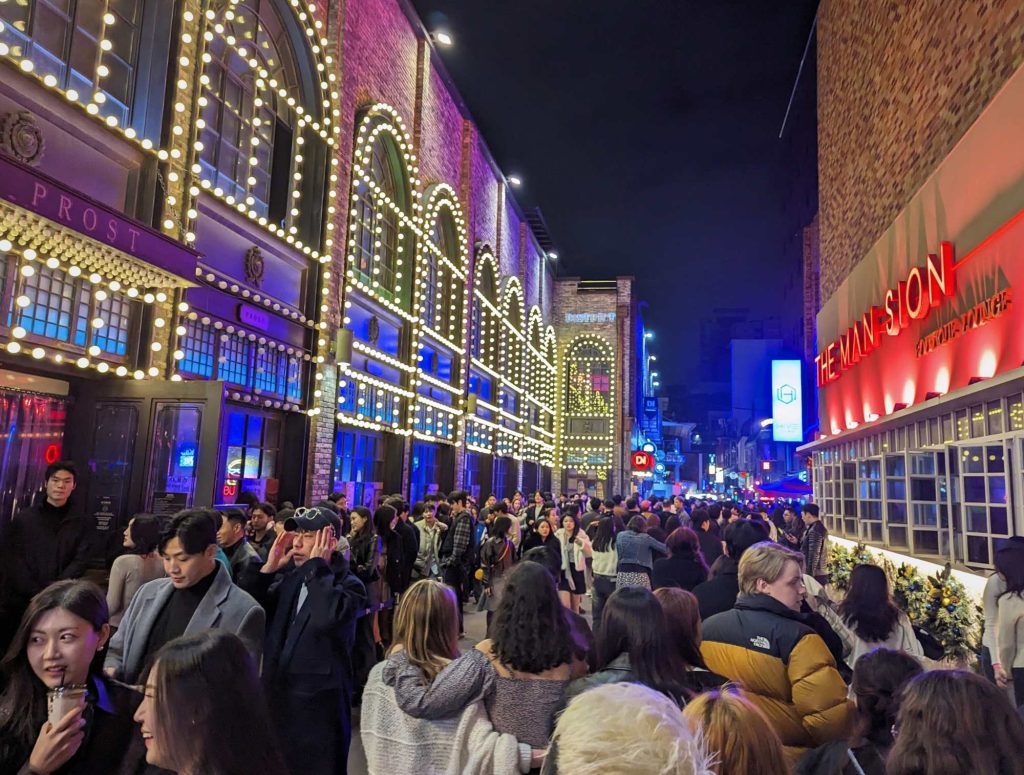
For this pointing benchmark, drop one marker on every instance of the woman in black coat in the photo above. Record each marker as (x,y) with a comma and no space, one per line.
(68,626)
(685,568)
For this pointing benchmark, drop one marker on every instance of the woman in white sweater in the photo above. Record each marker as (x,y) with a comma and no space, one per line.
(872,617)
(1009,636)
(426,639)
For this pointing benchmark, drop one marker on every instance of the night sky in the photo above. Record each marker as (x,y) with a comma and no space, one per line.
(647,132)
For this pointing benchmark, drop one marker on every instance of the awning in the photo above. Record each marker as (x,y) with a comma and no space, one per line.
(793,487)
(41,213)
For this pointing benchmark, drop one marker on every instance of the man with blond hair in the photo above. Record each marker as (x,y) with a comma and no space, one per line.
(766,644)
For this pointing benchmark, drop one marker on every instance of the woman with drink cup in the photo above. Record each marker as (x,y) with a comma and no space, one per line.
(58,714)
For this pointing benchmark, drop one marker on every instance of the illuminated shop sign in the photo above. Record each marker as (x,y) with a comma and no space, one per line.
(642,461)
(589,317)
(912,299)
(981,314)
(787,402)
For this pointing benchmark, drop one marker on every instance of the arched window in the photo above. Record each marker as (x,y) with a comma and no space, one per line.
(380,209)
(483,343)
(588,379)
(71,46)
(441,289)
(512,344)
(258,130)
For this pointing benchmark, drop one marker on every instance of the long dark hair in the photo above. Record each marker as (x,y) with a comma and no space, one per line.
(530,631)
(382,521)
(878,677)
(683,542)
(955,721)
(202,680)
(604,539)
(367,528)
(634,623)
(23,702)
(1009,562)
(868,608)
(501,526)
(145,531)
(682,618)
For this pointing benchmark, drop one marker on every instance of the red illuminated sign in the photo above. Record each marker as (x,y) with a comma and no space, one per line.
(912,299)
(642,461)
(51,454)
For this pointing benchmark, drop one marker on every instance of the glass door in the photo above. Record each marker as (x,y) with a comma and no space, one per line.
(31,437)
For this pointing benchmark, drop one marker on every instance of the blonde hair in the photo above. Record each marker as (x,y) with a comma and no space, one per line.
(766,560)
(738,732)
(427,626)
(641,732)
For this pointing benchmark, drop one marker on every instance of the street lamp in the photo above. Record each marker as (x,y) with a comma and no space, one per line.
(514,180)
(553,255)
(648,334)
(442,38)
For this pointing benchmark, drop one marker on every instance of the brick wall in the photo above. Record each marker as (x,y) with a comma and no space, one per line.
(898,85)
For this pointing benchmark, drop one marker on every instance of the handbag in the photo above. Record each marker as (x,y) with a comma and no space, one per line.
(929,643)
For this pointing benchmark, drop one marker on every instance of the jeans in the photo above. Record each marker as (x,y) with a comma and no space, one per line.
(602,590)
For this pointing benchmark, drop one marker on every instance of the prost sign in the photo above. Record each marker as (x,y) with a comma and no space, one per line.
(912,299)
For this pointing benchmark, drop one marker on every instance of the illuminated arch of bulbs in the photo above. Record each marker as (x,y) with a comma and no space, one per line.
(603,443)
(200,24)
(441,422)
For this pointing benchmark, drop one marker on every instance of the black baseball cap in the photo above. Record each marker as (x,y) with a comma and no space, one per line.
(316,518)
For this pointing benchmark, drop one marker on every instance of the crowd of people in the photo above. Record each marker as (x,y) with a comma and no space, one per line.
(623,636)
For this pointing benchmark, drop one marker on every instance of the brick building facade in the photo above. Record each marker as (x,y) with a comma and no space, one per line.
(260,246)
(919,353)
(898,85)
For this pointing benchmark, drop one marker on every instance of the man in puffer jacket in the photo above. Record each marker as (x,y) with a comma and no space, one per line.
(783,664)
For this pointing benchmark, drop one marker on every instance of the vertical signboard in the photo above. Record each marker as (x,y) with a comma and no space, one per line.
(787,402)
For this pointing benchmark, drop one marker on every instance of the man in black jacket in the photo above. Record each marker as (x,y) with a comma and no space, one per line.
(410,540)
(719,593)
(312,601)
(710,543)
(44,543)
(457,548)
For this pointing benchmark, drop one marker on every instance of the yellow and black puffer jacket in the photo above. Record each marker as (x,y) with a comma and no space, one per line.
(785,668)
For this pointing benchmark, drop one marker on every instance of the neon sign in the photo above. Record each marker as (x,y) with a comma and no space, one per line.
(984,312)
(912,299)
(642,461)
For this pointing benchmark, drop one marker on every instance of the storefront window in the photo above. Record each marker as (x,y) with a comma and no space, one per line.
(262,368)
(175,455)
(471,474)
(994,411)
(358,465)
(51,304)
(1016,412)
(250,463)
(424,476)
(982,500)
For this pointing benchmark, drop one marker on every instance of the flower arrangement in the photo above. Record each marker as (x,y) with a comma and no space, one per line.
(938,604)
(842,560)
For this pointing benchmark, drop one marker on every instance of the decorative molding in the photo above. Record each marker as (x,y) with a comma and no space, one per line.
(21,138)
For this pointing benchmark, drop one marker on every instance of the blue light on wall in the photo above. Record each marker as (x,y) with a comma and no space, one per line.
(186,453)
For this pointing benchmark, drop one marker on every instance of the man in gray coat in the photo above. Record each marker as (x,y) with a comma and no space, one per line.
(197,595)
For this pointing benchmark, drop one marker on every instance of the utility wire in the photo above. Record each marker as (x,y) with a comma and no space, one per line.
(800,70)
